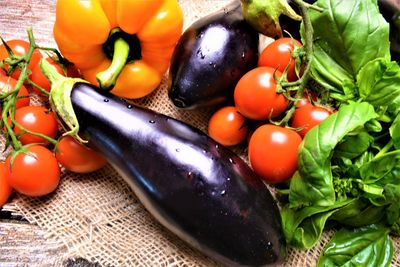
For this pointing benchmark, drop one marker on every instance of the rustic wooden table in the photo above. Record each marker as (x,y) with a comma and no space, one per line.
(25,244)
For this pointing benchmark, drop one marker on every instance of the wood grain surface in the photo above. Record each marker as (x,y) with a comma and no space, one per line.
(25,244)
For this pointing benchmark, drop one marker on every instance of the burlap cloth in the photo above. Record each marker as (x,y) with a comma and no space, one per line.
(96,216)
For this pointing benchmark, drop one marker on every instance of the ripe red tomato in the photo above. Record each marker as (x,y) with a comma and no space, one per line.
(307,117)
(35,173)
(7,84)
(5,188)
(308,98)
(36,119)
(2,72)
(78,158)
(273,152)
(255,94)
(40,79)
(20,48)
(278,55)
(227,126)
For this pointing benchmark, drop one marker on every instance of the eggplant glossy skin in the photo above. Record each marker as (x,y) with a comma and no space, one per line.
(210,58)
(198,189)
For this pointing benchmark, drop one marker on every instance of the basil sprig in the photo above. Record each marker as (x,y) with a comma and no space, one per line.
(349,165)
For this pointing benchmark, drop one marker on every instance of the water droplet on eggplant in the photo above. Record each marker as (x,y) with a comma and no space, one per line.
(129,106)
(200,53)
(152,121)
(223,192)
(106,100)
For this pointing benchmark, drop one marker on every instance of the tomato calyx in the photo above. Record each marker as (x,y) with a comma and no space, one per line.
(13,61)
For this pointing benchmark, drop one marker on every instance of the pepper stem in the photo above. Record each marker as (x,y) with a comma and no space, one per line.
(108,78)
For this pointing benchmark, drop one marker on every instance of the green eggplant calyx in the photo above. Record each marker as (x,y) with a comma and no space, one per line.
(264,15)
(60,99)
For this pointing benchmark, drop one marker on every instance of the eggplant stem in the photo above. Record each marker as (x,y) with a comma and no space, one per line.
(108,78)
(60,99)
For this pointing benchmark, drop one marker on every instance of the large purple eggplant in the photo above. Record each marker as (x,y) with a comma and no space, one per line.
(210,57)
(198,189)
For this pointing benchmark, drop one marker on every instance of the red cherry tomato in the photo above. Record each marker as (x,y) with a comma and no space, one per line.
(2,72)
(278,55)
(40,79)
(5,188)
(37,119)
(78,158)
(227,126)
(255,94)
(308,98)
(307,117)
(273,152)
(35,173)
(20,48)
(7,84)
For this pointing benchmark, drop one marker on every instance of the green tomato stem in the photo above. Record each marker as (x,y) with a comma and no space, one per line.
(9,108)
(43,136)
(41,89)
(108,78)
(10,105)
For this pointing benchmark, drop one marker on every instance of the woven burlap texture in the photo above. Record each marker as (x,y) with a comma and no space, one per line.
(96,216)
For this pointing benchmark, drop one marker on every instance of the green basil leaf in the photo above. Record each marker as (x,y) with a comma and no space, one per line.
(366,246)
(314,185)
(392,196)
(303,227)
(353,146)
(379,167)
(395,131)
(379,82)
(359,213)
(347,35)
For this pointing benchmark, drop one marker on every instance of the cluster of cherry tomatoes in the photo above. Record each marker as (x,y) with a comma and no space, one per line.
(272,146)
(38,148)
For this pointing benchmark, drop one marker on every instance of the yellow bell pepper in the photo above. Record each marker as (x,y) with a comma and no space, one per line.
(121,45)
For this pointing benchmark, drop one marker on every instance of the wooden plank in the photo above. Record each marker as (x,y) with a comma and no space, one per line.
(24,244)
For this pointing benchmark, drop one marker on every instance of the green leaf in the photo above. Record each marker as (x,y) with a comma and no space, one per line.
(348,34)
(395,131)
(358,213)
(353,145)
(366,246)
(379,82)
(314,185)
(379,167)
(303,228)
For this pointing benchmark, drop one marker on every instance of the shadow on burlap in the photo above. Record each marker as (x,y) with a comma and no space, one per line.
(96,216)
